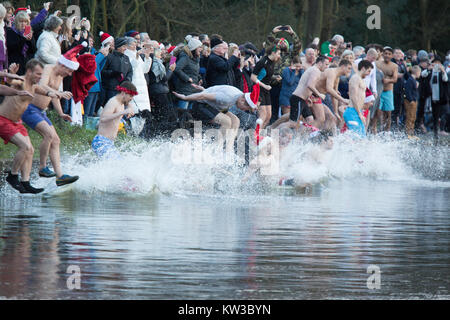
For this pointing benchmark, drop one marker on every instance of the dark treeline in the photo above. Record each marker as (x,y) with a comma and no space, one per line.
(418,24)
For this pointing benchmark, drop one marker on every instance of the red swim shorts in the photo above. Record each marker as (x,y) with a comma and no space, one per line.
(9,129)
(315,100)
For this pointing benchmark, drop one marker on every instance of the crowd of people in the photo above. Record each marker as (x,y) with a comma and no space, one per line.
(51,61)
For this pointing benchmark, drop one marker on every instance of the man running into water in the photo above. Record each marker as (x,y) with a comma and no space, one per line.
(103,143)
(328,83)
(305,89)
(11,128)
(357,91)
(36,118)
(390,71)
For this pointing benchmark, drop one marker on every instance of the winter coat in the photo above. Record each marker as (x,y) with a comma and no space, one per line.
(116,70)
(288,85)
(442,86)
(48,48)
(15,45)
(217,72)
(100,61)
(286,57)
(140,68)
(187,67)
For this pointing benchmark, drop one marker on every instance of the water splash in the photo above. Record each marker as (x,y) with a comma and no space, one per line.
(148,167)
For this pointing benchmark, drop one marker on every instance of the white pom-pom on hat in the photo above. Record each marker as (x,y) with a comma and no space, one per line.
(84,44)
(100,33)
(259,121)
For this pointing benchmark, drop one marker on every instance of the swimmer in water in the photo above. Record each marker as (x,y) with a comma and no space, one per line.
(103,143)
(267,154)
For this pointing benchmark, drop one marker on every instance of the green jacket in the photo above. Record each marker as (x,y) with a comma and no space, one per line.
(286,57)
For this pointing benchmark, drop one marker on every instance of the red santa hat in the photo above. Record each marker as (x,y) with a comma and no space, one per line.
(252,98)
(84,78)
(105,38)
(261,141)
(171,49)
(22,9)
(369,96)
(69,59)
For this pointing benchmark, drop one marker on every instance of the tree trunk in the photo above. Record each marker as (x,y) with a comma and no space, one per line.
(314,20)
(92,18)
(302,13)
(424,24)
(328,20)
(269,10)
(105,16)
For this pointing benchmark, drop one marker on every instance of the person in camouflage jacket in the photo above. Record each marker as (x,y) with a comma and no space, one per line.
(286,54)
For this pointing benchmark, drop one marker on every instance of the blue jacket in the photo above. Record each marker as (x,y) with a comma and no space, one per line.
(288,85)
(411,90)
(100,60)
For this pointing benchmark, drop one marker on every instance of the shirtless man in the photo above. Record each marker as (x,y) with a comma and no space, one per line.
(36,118)
(357,91)
(309,58)
(305,89)
(328,83)
(11,127)
(103,143)
(390,71)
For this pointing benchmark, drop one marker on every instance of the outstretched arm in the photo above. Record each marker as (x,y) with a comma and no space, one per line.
(196,96)
(8,91)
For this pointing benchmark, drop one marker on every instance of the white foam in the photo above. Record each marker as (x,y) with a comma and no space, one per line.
(150,166)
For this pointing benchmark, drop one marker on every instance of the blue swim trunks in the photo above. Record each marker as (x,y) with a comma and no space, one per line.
(387,101)
(104,148)
(353,122)
(34,115)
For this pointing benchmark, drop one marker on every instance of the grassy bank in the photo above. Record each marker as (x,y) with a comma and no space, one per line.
(74,139)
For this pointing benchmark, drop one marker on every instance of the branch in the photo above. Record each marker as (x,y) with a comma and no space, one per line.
(174,21)
(138,4)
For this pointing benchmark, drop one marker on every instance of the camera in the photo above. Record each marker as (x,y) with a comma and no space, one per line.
(248,54)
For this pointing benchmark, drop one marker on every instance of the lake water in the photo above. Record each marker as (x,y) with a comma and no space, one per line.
(180,236)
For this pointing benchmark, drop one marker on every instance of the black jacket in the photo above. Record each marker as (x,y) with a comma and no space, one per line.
(186,68)
(14,44)
(442,87)
(117,69)
(217,72)
(411,90)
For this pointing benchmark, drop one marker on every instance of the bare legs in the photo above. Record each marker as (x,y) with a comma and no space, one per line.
(49,147)
(265,113)
(23,159)
(229,125)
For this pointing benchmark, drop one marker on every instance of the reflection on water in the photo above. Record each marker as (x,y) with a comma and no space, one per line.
(210,247)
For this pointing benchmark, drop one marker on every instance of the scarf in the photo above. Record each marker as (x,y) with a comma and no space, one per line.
(25,45)
(158,69)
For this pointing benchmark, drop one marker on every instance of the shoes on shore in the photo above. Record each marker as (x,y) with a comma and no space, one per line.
(46,173)
(412,137)
(443,133)
(66,179)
